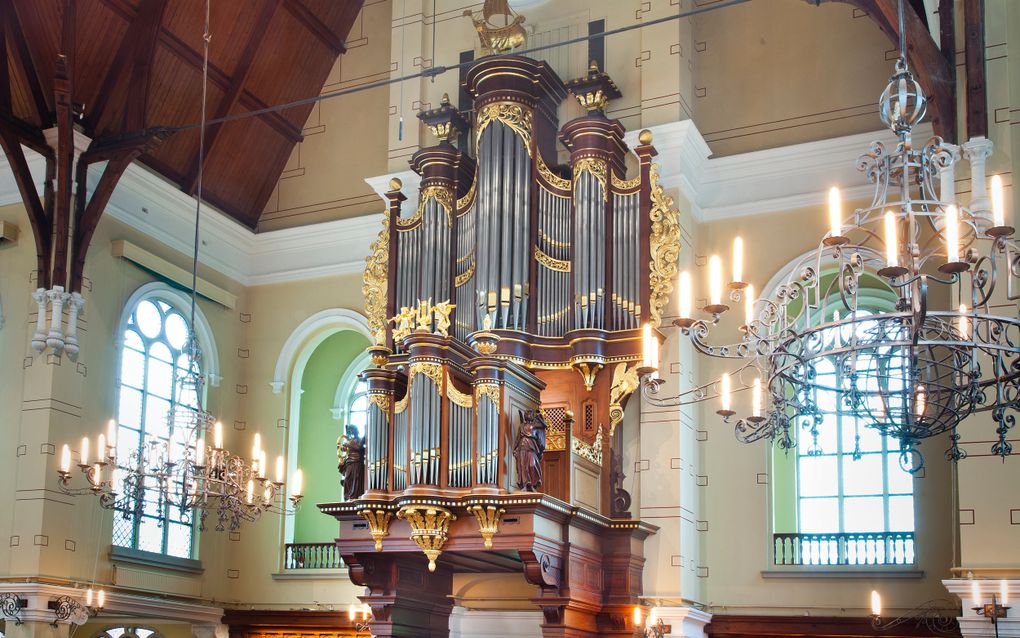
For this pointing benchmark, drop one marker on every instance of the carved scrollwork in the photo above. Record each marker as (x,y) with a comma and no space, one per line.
(374,281)
(665,247)
(590,451)
(552,178)
(557,265)
(488,390)
(511,114)
(625,382)
(378,524)
(463,399)
(597,168)
(429,529)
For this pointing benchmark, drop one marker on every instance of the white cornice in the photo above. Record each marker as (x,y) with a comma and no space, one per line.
(777,179)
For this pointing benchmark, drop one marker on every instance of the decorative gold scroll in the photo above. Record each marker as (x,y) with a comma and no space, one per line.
(598,170)
(559,265)
(625,382)
(592,451)
(620,184)
(429,528)
(433,371)
(383,401)
(488,390)
(511,114)
(374,281)
(465,276)
(552,242)
(469,197)
(463,399)
(549,176)
(378,524)
(488,521)
(441,194)
(665,247)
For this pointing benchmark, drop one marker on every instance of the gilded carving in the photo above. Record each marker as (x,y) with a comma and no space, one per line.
(378,524)
(465,276)
(625,382)
(488,521)
(441,311)
(620,184)
(429,528)
(469,197)
(488,390)
(433,371)
(665,247)
(441,194)
(511,114)
(559,265)
(463,399)
(374,281)
(403,323)
(552,242)
(498,38)
(598,170)
(549,176)
(592,100)
(381,400)
(589,451)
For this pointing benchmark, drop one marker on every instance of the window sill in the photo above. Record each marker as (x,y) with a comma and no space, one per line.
(152,559)
(312,574)
(864,571)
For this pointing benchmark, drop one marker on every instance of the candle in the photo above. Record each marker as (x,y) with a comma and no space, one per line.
(963,322)
(65,459)
(111,436)
(715,280)
(89,594)
(756,398)
(975,594)
(738,259)
(366,611)
(685,295)
(891,249)
(920,401)
(97,473)
(350,613)
(250,492)
(200,452)
(835,213)
(749,305)
(279,469)
(218,435)
(256,446)
(1003,593)
(102,598)
(262,464)
(998,202)
(952,234)
(85,450)
(646,342)
(101,448)
(876,604)
(296,491)
(724,392)
(637,616)
(653,616)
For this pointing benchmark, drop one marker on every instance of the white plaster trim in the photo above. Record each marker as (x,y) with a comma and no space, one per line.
(312,332)
(38,596)
(349,380)
(684,621)
(483,623)
(973,625)
(182,302)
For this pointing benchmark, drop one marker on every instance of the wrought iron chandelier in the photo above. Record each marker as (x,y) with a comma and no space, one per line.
(911,369)
(181,471)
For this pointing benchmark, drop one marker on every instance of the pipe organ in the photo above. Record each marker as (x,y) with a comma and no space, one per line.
(508,303)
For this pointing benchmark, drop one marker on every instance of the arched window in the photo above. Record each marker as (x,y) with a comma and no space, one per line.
(128,632)
(153,363)
(350,403)
(842,497)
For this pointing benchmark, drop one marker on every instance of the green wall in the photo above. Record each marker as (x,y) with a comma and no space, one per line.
(317,433)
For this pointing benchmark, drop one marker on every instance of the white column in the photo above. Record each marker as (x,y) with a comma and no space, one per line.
(973,623)
(977,150)
(39,338)
(486,623)
(76,303)
(210,630)
(947,175)
(55,337)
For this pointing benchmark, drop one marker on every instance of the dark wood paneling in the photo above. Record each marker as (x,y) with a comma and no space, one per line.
(724,626)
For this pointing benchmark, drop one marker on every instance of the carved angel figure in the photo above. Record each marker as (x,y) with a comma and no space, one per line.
(529,447)
(442,312)
(403,323)
(425,315)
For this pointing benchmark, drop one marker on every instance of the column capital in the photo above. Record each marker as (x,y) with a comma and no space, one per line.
(978,148)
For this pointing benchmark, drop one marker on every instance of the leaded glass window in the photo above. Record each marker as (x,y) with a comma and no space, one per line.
(152,398)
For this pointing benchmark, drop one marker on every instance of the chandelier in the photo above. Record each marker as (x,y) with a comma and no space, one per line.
(190,470)
(911,367)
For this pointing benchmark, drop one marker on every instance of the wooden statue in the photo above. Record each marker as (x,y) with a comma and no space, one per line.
(529,446)
(350,449)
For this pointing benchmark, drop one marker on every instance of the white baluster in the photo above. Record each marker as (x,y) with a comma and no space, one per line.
(977,150)
(55,337)
(39,338)
(76,305)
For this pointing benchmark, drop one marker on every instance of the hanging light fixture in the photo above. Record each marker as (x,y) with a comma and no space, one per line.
(184,472)
(910,371)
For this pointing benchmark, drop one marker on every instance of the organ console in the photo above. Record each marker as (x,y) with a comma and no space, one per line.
(512,294)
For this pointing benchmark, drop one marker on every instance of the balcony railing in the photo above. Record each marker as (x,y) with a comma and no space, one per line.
(872,548)
(312,556)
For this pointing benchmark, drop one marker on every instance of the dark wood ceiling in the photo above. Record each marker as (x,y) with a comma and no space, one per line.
(138,64)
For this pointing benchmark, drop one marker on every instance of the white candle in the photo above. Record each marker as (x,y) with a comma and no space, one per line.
(200,452)
(85,450)
(102,598)
(65,459)
(891,249)
(279,469)
(835,213)
(256,446)
(262,464)
(365,611)
(637,616)
(89,594)
(738,259)
(646,343)
(749,305)
(998,202)
(920,401)
(111,436)
(963,323)
(101,448)
(218,435)
(975,594)
(351,613)
(715,282)
(97,473)
(686,294)
(1003,593)
(952,234)
(296,490)
(876,604)
(756,398)
(250,492)
(724,392)
(653,616)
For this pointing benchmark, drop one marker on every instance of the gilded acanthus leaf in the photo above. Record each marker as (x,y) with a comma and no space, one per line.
(664,246)
(375,279)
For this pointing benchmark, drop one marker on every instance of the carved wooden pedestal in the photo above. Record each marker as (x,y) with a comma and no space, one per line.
(586,568)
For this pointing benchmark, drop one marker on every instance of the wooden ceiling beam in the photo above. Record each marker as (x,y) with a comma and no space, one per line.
(974,67)
(63,88)
(241,73)
(37,216)
(23,61)
(316,26)
(935,74)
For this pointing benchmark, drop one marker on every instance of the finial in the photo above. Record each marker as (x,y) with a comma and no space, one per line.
(395,184)
(593,67)
(445,100)
(645,137)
